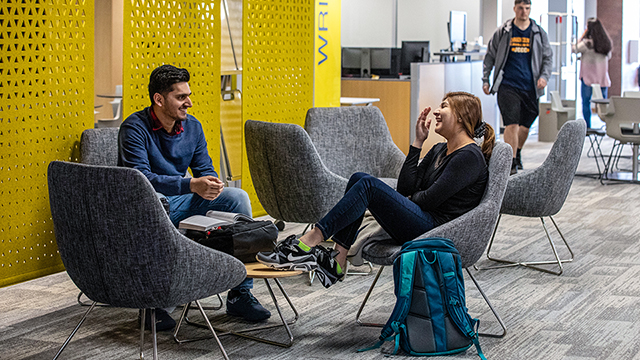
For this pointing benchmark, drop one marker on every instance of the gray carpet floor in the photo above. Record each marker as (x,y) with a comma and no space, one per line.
(592,311)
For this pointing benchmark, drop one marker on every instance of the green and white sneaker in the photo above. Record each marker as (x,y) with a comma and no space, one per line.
(328,270)
(288,255)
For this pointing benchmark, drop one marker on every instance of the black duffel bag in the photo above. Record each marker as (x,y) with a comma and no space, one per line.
(242,239)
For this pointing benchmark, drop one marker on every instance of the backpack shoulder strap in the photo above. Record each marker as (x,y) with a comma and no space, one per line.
(451,270)
(403,275)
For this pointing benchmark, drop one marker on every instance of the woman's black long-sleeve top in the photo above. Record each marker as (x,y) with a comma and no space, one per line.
(446,186)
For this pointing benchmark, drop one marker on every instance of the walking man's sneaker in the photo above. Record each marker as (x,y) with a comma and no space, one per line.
(243,304)
(288,255)
(514,167)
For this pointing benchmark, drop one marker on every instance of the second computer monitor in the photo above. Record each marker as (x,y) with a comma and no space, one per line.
(413,51)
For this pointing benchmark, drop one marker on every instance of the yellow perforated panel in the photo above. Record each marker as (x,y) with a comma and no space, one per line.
(278,66)
(185,34)
(46,101)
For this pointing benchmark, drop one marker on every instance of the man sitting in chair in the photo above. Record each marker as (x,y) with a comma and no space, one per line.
(163,141)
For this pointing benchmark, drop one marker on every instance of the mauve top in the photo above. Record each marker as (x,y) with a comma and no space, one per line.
(594,67)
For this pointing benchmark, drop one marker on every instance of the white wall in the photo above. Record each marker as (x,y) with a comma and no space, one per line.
(369,23)
(427,20)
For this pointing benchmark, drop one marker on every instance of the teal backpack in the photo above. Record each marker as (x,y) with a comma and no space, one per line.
(430,316)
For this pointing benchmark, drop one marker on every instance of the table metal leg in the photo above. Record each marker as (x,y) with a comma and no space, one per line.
(634,163)
(241,333)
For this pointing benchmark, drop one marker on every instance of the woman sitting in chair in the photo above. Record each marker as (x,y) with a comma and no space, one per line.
(449,181)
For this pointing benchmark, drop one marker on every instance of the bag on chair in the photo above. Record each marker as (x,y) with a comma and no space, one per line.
(242,239)
(430,316)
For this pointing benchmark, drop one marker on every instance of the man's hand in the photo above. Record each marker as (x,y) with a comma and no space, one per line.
(541,83)
(208,187)
(485,88)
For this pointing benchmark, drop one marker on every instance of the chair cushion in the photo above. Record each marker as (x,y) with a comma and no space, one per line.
(382,252)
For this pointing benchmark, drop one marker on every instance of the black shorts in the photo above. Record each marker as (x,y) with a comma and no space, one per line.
(517,106)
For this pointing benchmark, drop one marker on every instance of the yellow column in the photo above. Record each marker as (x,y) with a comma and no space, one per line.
(327,52)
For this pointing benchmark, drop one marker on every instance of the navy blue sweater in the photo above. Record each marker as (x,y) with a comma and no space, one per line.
(162,158)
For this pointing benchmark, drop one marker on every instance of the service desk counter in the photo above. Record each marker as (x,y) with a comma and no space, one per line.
(395,103)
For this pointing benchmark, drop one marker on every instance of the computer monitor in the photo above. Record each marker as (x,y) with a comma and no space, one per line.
(356,62)
(413,51)
(380,58)
(457,27)
(351,61)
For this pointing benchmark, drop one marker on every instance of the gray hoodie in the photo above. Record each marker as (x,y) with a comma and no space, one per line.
(498,50)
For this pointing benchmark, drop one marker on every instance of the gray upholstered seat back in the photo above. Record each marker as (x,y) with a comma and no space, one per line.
(352,139)
(118,244)
(99,146)
(543,190)
(469,232)
(623,111)
(290,178)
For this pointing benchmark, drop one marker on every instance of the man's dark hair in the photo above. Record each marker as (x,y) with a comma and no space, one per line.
(526,2)
(163,77)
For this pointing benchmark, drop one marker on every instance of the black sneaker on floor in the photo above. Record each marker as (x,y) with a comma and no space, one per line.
(327,271)
(164,321)
(243,304)
(514,167)
(289,256)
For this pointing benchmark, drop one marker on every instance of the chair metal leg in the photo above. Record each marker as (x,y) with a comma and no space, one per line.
(143,314)
(75,330)
(364,302)
(486,299)
(595,149)
(84,303)
(213,332)
(368,263)
(207,325)
(241,333)
(533,264)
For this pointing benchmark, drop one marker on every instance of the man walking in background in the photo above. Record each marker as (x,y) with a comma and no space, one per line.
(522,56)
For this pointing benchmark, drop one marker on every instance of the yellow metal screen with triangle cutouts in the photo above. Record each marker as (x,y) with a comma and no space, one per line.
(277,67)
(185,34)
(46,101)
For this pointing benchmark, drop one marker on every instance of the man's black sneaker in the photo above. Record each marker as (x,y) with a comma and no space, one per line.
(514,167)
(327,271)
(243,304)
(164,321)
(288,255)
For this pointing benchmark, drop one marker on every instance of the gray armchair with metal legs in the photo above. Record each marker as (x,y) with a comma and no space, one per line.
(541,192)
(120,248)
(470,232)
(622,118)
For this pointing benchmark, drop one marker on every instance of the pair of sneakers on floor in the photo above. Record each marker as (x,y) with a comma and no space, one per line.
(240,303)
(291,254)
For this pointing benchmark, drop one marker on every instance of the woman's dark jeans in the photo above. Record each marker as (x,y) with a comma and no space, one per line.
(399,217)
(586,92)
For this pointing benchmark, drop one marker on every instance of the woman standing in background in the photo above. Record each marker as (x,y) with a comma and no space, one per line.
(595,47)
